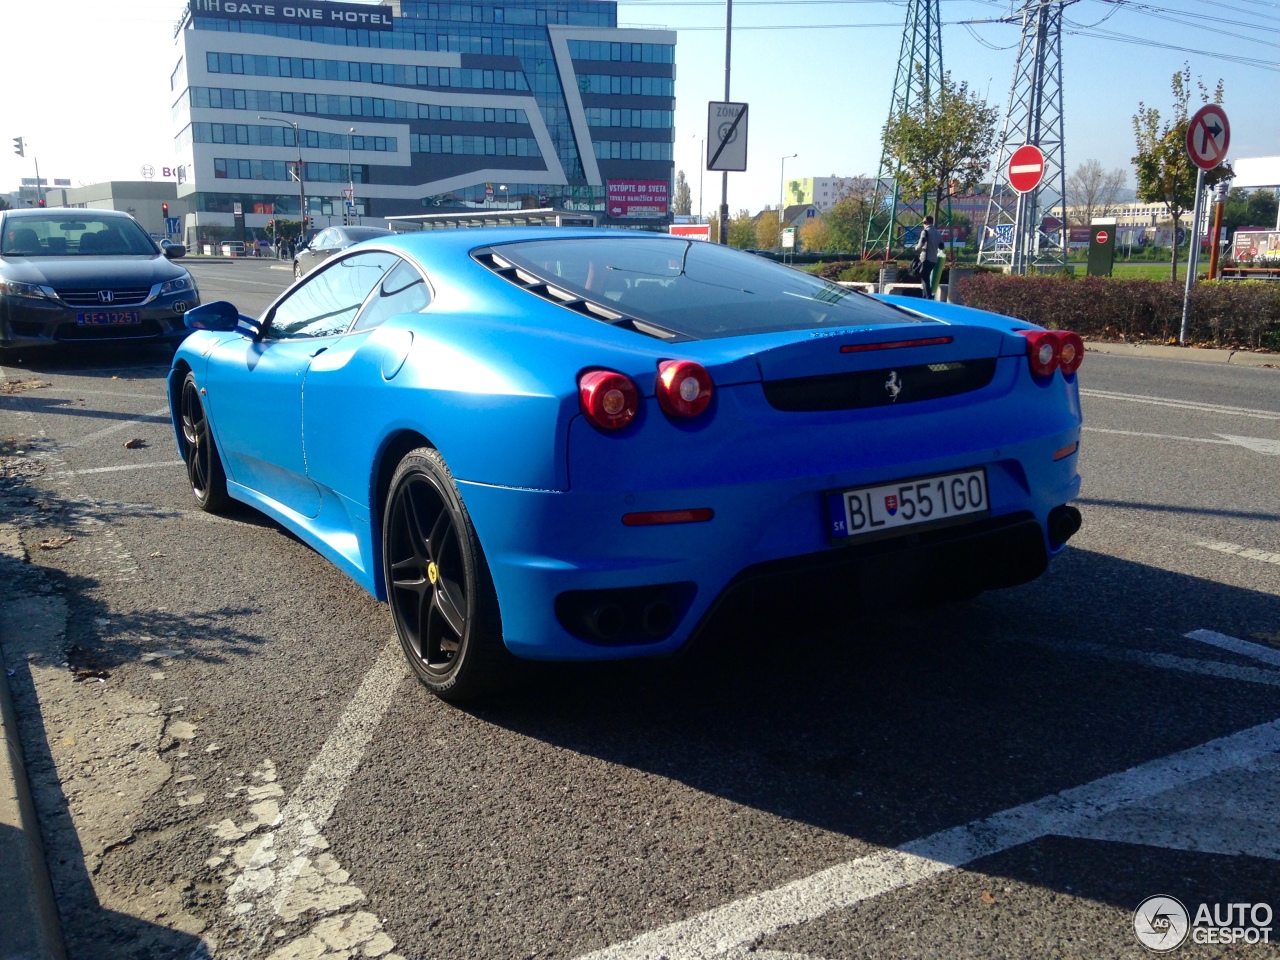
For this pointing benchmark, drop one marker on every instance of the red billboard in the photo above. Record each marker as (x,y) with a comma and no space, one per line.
(691,231)
(637,198)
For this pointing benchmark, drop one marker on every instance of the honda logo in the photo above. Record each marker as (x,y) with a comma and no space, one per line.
(106,296)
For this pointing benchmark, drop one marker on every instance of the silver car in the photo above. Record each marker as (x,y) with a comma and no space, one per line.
(330,241)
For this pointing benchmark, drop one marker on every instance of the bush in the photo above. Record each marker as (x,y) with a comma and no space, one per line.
(1224,312)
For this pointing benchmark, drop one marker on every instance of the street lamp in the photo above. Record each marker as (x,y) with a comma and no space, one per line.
(505,196)
(302,189)
(702,166)
(351,178)
(782,195)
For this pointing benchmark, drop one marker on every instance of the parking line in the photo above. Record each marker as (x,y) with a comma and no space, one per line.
(1162,661)
(1183,404)
(1157,436)
(151,416)
(725,929)
(124,466)
(1236,550)
(1242,647)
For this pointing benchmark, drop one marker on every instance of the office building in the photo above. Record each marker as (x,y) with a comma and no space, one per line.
(418,108)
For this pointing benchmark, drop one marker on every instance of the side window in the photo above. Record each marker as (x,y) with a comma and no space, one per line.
(326,303)
(324,241)
(402,291)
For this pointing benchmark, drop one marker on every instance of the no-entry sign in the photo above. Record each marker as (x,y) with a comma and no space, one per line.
(1102,236)
(1026,168)
(1208,136)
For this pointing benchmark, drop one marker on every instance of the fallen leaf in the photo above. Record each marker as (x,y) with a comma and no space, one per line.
(17,386)
(137,443)
(55,543)
(987,898)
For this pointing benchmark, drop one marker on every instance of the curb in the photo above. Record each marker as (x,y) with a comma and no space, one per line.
(1240,358)
(29,926)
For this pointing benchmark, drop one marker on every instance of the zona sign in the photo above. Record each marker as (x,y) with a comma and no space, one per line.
(1026,168)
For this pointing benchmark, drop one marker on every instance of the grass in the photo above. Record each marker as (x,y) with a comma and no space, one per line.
(1138,270)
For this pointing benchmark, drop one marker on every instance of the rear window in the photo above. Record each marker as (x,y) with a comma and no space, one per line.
(693,288)
(366,233)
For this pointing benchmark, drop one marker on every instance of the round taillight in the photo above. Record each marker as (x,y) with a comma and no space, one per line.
(608,399)
(1043,351)
(683,388)
(1070,351)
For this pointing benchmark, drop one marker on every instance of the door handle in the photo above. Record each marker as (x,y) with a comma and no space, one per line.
(319,350)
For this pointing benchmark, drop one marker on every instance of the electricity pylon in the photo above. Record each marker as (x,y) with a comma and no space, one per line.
(919,75)
(1016,233)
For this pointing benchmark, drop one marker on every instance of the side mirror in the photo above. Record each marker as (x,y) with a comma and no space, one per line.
(175,250)
(219,315)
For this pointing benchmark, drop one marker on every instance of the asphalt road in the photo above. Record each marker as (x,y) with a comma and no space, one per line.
(232,758)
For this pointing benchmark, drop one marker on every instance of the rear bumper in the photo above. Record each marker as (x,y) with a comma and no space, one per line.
(542,546)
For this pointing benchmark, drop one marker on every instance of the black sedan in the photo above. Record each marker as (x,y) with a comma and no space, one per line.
(329,241)
(71,275)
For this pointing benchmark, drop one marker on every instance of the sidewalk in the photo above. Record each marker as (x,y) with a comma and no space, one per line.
(1240,358)
(29,927)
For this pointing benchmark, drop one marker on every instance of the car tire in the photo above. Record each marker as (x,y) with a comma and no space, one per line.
(438,585)
(297,270)
(204,466)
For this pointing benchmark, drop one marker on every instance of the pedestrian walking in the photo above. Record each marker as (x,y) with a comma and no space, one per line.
(928,245)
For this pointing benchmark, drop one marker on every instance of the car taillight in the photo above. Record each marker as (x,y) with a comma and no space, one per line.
(607,398)
(683,388)
(1043,351)
(1070,351)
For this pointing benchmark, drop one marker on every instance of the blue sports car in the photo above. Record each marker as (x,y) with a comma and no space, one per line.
(580,444)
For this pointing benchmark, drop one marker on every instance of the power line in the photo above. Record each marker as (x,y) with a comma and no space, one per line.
(1144,42)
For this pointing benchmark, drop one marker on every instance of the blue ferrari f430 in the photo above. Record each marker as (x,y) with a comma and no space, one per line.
(582,444)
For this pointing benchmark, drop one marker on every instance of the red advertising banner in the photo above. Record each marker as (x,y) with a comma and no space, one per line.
(637,198)
(691,231)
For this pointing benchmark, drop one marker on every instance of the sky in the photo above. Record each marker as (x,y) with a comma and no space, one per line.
(89,89)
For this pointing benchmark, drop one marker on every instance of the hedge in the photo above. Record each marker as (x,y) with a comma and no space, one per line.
(1238,313)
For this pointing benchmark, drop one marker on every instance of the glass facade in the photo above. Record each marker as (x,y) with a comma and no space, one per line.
(500,51)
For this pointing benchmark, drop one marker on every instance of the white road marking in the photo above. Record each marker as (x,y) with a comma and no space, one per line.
(1270,448)
(125,466)
(122,425)
(1254,651)
(1183,404)
(282,860)
(1249,553)
(1157,436)
(728,928)
(1162,661)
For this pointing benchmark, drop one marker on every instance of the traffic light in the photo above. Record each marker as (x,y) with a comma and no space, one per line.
(18,148)
(164,210)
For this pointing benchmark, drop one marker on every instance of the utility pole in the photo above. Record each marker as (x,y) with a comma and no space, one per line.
(1011,235)
(918,78)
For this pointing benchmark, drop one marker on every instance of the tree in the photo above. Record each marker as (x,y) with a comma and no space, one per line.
(816,234)
(768,231)
(4,204)
(682,202)
(1165,171)
(713,221)
(1095,189)
(742,231)
(944,144)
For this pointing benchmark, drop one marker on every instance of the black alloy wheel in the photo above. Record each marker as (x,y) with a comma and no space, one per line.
(204,466)
(438,585)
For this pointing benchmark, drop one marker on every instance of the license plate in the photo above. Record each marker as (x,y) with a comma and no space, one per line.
(872,512)
(97,317)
